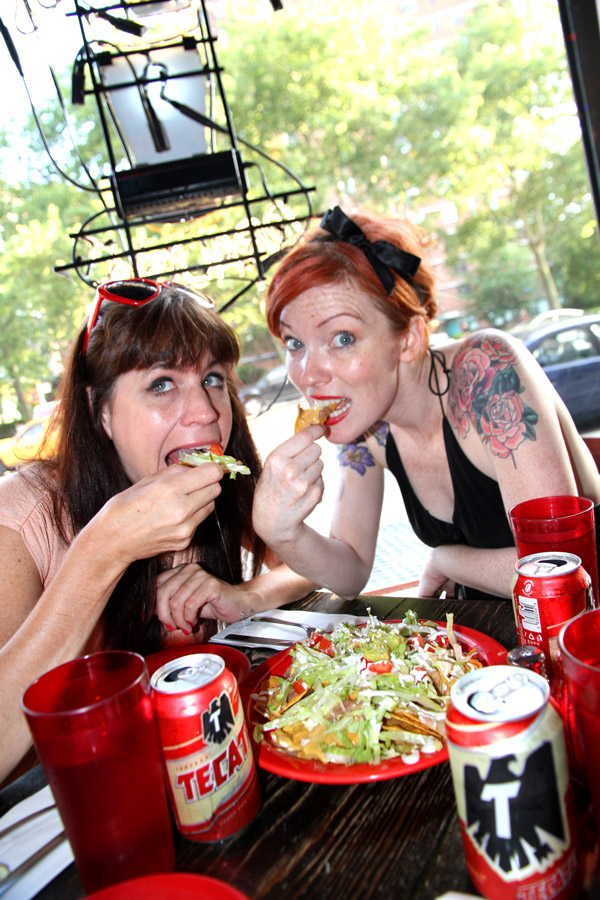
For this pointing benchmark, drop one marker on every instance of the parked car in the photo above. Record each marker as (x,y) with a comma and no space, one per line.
(568,349)
(545,318)
(271,388)
(24,444)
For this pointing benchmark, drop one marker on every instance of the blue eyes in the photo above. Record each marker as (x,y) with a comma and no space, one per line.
(343,339)
(164,384)
(213,379)
(161,385)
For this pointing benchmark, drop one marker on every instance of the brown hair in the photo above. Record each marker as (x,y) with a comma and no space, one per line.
(321,259)
(176,331)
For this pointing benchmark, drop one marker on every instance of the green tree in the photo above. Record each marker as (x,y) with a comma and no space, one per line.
(524,167)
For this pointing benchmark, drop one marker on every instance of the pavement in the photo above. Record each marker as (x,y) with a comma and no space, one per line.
(400,555)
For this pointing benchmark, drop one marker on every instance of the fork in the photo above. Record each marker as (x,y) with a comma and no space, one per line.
(308,629)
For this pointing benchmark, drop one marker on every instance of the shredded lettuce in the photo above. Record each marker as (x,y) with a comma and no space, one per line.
(382,694)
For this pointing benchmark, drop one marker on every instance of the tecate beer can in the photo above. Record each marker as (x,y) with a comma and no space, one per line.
(211,774)
(511,781)
(548,589)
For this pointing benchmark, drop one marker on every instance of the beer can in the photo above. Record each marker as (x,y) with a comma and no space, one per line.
(548,589)
(211,775)
(511,782)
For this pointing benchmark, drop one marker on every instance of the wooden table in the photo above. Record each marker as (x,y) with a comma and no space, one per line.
(388,839)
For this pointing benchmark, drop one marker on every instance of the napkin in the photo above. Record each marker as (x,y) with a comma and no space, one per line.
(286,633)
(23,842)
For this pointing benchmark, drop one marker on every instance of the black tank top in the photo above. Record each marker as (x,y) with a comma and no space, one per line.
(479,518)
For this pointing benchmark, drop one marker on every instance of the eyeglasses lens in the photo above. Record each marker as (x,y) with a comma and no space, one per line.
(136,291)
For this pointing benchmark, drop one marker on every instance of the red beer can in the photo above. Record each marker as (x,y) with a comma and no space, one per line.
(548,589)
(511,781)
(211,774)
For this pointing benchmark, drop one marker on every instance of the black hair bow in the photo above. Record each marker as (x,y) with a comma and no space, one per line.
(382,255)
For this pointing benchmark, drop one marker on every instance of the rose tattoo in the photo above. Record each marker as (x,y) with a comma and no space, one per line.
(485,393)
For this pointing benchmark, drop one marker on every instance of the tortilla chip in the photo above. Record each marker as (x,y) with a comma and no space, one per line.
(404,720)
(314,415)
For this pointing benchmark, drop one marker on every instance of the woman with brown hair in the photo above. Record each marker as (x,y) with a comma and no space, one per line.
(110,543)
(468,430)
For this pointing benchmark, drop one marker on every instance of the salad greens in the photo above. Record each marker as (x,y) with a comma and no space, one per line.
(363,694)
(199,456)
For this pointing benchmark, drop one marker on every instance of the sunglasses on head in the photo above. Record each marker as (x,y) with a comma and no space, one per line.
(135,292)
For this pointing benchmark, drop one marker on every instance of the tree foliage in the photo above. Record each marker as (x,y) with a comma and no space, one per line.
(476,137)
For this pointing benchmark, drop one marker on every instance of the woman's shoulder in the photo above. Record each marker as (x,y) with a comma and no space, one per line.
(22,491)
(489,346)
(494,392)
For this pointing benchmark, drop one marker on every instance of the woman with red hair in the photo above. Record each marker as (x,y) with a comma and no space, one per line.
(468,430)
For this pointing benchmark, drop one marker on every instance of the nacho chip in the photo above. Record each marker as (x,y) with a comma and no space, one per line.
(314,415)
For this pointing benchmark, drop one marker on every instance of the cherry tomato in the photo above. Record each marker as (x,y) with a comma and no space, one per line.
(382,667)
(320,642)
(416,641)
(300,686)
(215,449)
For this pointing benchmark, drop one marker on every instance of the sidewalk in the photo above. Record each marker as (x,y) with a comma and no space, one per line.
(400,555)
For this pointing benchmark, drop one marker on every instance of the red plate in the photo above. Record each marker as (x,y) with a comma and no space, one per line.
(170,886)
(273,759)
(236,661)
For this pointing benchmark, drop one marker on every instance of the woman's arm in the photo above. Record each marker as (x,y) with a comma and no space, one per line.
(40,629)
(188,593)
(506,416)
(288,491)
(489,571)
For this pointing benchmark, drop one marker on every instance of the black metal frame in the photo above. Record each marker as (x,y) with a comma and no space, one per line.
(184,190)
(579,19)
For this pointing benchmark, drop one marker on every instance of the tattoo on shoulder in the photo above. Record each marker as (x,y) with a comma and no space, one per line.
(485,392)
(357,455)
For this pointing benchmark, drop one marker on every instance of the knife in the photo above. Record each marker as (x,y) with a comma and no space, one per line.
(255,639)
(15,874)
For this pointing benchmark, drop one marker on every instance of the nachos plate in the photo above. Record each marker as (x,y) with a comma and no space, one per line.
(294,753)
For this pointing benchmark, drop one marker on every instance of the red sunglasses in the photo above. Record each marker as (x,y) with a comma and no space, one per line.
(135,292)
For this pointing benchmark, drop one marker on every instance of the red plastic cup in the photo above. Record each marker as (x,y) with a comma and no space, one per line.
(93,726)
(579,644)
(557,523)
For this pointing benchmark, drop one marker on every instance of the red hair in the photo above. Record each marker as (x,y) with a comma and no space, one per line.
(321,259)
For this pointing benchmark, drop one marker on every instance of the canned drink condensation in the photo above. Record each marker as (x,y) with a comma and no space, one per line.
(211,774)
(511,782)
(548,589)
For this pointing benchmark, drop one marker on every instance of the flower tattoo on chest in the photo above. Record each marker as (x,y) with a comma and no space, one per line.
(357,455)
(485,391)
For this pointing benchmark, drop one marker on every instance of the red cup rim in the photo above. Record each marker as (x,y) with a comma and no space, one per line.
(586,505)
(561,640)
(82,710)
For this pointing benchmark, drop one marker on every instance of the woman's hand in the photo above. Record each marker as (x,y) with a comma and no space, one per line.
(158,514)
(289,488)
(433,581)
(187,593)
